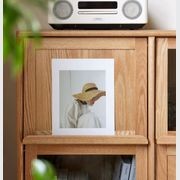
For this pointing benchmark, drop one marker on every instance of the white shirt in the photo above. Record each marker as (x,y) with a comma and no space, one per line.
(78,115)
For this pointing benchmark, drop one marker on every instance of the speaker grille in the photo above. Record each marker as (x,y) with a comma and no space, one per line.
(132,9)
(62,9)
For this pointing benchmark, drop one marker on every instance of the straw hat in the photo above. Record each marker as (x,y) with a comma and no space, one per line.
(89,91)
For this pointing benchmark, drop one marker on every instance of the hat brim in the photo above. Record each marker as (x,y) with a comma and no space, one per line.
(87,96)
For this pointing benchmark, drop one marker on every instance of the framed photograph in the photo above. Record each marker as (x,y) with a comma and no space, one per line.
(83,97)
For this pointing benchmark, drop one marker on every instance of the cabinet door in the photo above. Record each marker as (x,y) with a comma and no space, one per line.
(84,158)
(166,162)
(130,57)
(166,90)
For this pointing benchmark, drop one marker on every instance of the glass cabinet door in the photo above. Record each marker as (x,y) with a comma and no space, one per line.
(165,108)
(166,90)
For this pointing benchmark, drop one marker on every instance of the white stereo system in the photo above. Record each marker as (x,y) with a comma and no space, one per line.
(97,14)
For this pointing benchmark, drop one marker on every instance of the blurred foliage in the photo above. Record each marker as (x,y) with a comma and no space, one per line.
(43,170)
(17,16)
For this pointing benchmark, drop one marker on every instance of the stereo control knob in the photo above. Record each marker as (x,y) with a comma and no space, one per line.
(132,9)
(63,9)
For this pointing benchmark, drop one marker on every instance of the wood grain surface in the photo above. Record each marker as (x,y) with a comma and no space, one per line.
(166,162)
(19,126)
(130,81)
(171,167)
(161,87)
(161,163)
(163,44)
(141,163)
(30,155)
(48,139)
(103,33)
(151,108)
(167,139)
(29,89)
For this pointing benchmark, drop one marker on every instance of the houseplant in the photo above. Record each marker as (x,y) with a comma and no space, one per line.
(18,16)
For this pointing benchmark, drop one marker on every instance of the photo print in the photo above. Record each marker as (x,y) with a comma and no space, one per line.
(83,94)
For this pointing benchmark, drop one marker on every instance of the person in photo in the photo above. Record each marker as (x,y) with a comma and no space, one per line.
(78,114)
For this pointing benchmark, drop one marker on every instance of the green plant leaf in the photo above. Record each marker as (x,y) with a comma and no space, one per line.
(43,170)
(16,15)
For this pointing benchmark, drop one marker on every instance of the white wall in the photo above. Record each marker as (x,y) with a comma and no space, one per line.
(162,14)
(9,124)
(71,82)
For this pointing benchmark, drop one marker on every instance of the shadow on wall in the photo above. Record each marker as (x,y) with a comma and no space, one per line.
(162,14)
(9,125)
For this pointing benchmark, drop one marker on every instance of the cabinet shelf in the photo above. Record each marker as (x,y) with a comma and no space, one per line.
(48,139)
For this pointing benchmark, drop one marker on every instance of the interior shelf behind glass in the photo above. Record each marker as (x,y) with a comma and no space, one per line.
(92,167)
(172,90)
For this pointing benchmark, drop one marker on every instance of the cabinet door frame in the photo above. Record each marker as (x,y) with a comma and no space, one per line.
(138,45)
(32,152)
(19,127)
(163,136)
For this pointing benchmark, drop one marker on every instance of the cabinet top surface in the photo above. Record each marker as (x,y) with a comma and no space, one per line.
(102,33)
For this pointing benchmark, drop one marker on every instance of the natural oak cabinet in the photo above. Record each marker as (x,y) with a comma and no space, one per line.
(140,85)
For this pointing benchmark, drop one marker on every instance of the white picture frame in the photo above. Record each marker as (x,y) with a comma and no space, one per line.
(79,71)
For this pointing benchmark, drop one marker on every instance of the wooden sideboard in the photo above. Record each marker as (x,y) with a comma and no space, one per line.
(141,99)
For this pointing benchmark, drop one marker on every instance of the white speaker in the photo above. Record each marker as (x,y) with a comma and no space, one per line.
(62,9)
(132,9)
(97,14)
